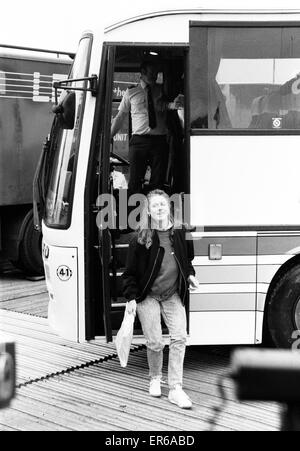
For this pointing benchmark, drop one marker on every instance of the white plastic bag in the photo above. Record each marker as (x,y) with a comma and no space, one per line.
(124,338)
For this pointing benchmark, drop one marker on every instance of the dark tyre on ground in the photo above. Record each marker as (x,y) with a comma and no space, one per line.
(284,309)
(30,250)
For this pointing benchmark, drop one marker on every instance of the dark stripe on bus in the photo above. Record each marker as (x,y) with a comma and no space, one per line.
(231,245)
(278,245)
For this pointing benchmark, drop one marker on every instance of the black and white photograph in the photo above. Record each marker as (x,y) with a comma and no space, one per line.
(150,219)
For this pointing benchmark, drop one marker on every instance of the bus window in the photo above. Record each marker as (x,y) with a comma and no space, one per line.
(245,78)
(59,196)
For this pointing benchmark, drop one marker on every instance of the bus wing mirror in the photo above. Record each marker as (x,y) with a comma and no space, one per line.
(68,85)
(65,108)
(65,111)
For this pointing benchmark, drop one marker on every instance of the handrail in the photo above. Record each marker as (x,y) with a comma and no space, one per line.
(31,49)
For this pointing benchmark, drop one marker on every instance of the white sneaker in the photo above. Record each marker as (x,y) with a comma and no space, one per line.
(180,398)
(155,387)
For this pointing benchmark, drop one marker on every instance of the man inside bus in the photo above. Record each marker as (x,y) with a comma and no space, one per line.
(148,146)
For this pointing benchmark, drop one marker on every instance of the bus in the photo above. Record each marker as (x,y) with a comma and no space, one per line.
(26,101)
(235,163)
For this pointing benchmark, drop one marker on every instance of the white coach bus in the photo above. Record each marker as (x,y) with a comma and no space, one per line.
(238,159)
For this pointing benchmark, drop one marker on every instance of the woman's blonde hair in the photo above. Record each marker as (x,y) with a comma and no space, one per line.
(145,230)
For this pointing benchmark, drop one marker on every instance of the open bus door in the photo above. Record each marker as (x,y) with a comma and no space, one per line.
(98,314)
(105,240)
(103,312)
(112,243)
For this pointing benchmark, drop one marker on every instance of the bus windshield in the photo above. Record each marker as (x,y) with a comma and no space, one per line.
(65,145)
(245,78)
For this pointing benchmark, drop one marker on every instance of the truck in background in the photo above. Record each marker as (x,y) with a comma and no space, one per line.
(26,101)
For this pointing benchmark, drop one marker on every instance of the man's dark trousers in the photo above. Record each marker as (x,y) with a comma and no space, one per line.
(144,151)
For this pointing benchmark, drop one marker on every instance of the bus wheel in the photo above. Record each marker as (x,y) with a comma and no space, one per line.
(284,309)
(30,249)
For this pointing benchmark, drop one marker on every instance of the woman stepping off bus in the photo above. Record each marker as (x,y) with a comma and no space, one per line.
(158,275)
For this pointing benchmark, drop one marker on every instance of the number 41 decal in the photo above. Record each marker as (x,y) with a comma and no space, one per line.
(64,273)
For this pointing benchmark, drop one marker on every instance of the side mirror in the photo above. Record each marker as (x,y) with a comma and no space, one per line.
(7,372)
(65,110)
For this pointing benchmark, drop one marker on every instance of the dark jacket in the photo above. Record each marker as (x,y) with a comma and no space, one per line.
(143,265)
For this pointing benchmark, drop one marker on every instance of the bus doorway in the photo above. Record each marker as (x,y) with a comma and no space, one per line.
(110,231)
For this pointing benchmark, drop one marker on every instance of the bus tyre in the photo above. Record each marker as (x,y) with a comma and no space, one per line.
(284,309)
(30,250)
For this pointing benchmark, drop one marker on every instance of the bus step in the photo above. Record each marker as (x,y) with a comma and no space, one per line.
(120,254)
(122,246)
(118,305)
(116,284)
(119,302)
(118,274)
(118,246)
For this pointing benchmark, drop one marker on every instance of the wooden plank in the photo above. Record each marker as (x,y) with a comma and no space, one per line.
(53,415)
(105,416)
(20,290)
(7,428)
(130,410)
(202,409)
(17,315)
(41,353)
(38,328)
(198,387)
(27,304)
(21,295)
(16,418)
(92,349)
(107,396)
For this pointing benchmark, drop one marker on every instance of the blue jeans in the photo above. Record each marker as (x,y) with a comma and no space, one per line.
(173,312)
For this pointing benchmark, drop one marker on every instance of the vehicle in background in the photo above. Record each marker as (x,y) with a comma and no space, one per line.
(26,101)
(236,161)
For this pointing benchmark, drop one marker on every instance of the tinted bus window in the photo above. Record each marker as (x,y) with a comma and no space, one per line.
(245,78)
(59,199)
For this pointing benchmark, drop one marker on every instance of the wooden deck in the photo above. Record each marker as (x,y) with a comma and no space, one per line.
(22,295)
(65,386)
